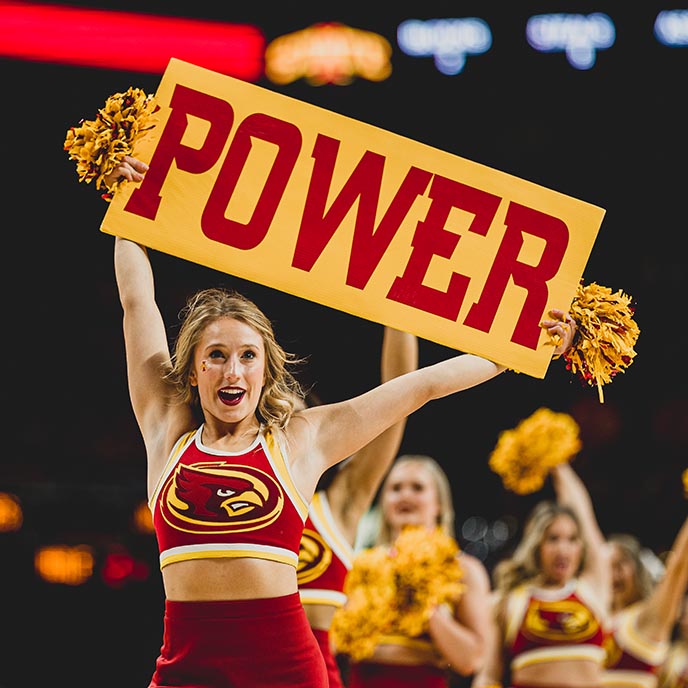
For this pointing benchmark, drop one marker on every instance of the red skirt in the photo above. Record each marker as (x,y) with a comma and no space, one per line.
(370,675)
(263,643)
(333,674)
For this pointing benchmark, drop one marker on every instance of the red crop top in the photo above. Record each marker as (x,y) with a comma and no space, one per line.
(210,503)
(632,661)
(325,557)
(546,625)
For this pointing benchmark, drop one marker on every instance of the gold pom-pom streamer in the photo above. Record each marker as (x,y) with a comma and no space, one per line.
(368,612)
(100,145)
(524,456)
(394,591)
(426,574)
(606,335)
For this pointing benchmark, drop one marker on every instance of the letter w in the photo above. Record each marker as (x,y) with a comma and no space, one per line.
(318,225)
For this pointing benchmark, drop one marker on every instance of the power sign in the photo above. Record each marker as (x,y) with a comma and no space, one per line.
(348,215)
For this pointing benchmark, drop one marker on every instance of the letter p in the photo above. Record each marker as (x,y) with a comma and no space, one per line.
(185,101)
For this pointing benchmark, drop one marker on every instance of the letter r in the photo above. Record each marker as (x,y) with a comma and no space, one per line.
(522,220)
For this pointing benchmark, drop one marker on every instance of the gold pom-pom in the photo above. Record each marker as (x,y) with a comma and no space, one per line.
(606,335)
(100,145)
(393,591)
(367,615)
(426,573)
(524,456)
(685,483)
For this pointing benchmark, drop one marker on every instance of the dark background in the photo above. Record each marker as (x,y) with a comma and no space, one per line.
(615,136)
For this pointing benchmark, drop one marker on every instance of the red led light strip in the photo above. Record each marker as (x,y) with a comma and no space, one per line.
(128,41)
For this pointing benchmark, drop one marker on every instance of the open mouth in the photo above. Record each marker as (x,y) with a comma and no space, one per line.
(407,514)
(231,397)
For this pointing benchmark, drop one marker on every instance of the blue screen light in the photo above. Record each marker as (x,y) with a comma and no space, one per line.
(449,41)
(579,36)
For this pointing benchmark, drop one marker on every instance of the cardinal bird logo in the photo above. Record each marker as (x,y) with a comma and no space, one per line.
(314,556)
(217,497)
(559,620)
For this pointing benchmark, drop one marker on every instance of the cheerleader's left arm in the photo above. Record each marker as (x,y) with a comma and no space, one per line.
(462,637)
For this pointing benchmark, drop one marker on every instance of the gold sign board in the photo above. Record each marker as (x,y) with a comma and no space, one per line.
(294,197)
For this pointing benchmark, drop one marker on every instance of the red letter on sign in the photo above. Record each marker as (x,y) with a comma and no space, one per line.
(215,225)
(432,239)
(519,220)
(368,247)
(146,199)
(318,226)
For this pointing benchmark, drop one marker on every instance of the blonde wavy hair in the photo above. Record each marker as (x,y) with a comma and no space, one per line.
(444,495)
(281,388)
(524,564)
